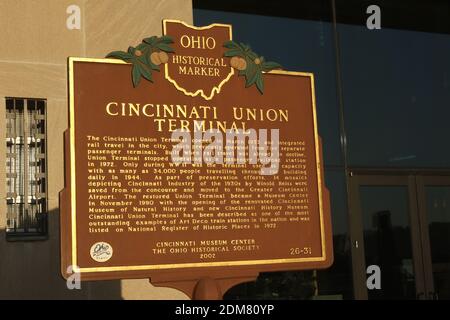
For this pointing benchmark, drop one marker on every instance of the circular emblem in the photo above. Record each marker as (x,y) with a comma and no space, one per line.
(101,251)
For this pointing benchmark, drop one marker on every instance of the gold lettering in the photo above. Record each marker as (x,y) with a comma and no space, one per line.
(144,110)
(185,41)
(134,109)
(108,109)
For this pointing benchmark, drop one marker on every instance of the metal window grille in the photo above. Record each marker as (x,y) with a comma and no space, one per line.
(26,179)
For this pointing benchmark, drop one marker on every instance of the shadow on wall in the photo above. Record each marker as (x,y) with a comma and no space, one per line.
(31,270)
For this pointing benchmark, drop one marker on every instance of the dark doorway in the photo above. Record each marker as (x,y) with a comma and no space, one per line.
(400,222)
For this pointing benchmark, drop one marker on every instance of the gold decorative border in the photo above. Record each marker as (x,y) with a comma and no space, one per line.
(73,203)
(216,89)
(71,62)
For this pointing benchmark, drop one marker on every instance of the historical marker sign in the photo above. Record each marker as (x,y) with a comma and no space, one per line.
(129,210)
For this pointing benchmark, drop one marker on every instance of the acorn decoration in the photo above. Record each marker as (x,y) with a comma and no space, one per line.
(159,57)
(238,63)
(249,64)
(146,57)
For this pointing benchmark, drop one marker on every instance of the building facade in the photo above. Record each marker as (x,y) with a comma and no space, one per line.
(37,37)
(382,84)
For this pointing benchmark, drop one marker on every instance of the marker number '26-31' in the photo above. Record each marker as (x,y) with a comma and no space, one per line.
(298,251)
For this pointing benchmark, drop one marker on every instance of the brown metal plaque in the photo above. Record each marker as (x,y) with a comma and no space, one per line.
(128,211)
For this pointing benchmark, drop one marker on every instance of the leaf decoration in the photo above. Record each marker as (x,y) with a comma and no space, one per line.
(249,64)
(145,57)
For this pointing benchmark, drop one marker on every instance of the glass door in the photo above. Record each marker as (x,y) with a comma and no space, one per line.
(385,233)
(434,208)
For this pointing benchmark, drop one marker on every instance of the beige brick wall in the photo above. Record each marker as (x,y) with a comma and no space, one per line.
(35,44)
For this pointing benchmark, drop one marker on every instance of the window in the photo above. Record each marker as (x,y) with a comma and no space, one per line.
(26,179)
